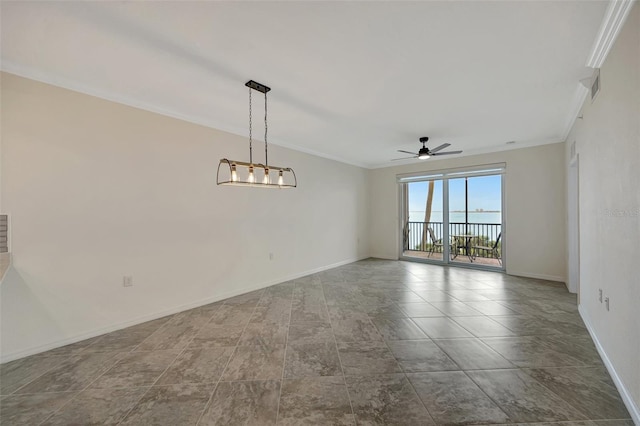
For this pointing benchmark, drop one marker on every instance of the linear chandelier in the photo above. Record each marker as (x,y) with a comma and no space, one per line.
(241,173)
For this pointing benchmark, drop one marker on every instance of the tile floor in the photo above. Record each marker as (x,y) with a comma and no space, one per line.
(373,342)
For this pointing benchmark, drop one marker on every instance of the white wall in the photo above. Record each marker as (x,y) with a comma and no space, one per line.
(535,208)
(608,145)
(97,190)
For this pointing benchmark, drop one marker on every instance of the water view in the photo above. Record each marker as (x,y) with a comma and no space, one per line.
(474,220)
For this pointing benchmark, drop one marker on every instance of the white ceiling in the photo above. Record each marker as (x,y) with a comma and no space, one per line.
(353,81)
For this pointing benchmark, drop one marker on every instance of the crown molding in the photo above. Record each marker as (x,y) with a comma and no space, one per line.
(494,149)
(613,21)
(47,78)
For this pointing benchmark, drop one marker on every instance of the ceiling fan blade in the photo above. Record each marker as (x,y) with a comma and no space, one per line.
(407,152)
(404,158)
(443,146)
(446,153)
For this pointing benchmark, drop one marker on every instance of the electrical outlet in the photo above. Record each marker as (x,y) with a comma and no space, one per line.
(606,303)
(600,293)
(127,281)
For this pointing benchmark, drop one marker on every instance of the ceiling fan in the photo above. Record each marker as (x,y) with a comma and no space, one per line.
(425,152)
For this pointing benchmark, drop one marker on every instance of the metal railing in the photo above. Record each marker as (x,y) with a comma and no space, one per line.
(418,238)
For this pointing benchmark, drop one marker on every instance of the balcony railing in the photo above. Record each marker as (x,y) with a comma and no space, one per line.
(418,238)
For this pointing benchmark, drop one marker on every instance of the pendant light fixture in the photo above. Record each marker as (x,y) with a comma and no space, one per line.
(241,173)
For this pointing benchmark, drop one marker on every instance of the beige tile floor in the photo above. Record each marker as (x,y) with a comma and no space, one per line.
(373,342)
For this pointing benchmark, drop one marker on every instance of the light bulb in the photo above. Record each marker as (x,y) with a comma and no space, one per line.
(234,173)
(265,180)
(280,179)
(423,154)
(252,178)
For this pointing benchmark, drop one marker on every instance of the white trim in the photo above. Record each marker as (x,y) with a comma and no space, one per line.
(458,172)
(557,278)
(573,161)
(402,198)
(575,106)
(494,149)
(504,255)
(633,409)
(613,21)
(170,311)
(446,225)
(573,227)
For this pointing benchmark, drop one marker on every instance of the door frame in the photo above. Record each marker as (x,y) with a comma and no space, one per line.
(444,175)
(573,225)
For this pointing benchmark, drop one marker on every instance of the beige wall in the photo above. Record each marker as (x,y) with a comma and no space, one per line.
(535,208)
(97,190)
(608,145)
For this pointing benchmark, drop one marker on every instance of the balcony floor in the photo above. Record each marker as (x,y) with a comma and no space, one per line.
(484,261)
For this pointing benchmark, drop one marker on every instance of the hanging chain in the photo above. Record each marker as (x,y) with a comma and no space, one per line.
(266,160)
(250,131)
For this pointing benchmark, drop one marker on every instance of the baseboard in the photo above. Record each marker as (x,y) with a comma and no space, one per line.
(5,264)
(170,311)
(384,257)
(633,409)
(537,276)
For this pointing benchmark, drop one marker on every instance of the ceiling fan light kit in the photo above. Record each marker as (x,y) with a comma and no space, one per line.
(425,152)
(242,173)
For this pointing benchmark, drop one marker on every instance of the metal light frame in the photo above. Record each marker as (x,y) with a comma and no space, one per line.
(286,177)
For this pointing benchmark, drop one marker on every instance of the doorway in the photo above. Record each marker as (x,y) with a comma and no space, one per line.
(454,217)
(573,210)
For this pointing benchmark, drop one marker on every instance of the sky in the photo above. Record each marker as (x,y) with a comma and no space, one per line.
(484,193)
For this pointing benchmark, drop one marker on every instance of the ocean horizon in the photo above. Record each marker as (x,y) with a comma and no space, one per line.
(491,217)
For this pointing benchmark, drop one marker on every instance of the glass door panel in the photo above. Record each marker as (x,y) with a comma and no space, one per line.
(423,234)
(485,218)
(475,220)
(454,217)
(459,231)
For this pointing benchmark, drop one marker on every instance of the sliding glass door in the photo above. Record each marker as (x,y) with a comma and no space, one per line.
(424,225)
(475,219)
(455,217)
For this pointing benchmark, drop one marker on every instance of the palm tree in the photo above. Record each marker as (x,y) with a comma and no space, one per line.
(427,215)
